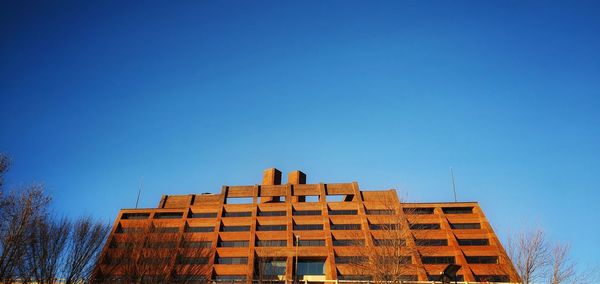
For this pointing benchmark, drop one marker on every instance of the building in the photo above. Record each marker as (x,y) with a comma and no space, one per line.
(322,231)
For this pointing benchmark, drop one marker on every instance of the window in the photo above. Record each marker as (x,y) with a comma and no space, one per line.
(199,229)
(188,278)
(196,244)
(384,226)
(457,210)
(424,226)
(348,243)
(237,214)
(345,226)
(191,260)
(351,259)
(389,242)
(418,211)
(202,215)
(307,213)
(482,259)
(379,212)
(355,277)
(396,259)
(492,278)
(343,212)
(311,243)
(235,228)
(438,278)
(431,242)
(135,216)
(126,230)
(437,259)
(271,213)
(231,260)
(311,267)
(230,278)
(465,226)
(271,243)
(473,242)
(269,267)
(232,244)
(308,227)
(165,230)
(168,215)
(271,227)
(158,245)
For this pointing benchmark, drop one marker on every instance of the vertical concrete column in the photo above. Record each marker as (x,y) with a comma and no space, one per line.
(289,265)
(330,271)
(271,176)
(296,177)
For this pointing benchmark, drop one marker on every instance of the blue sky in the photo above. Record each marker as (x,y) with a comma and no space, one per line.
(96,96)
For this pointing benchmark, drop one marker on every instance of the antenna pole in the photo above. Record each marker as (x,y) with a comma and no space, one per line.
(139,192)
(453,184)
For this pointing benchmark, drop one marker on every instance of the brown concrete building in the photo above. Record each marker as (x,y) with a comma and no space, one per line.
(319,230)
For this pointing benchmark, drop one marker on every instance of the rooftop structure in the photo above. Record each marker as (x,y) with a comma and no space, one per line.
(309,232)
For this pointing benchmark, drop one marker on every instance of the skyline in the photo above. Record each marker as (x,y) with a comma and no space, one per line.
(97,97)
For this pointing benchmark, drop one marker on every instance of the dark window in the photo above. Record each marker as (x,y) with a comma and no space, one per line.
(135,216)
(161,245)
(311,267)
(269,267)
(129,230)
(418,211)
(343,212)
(424,226)
(271,227)
(202,215)
(189,278)
(231,260)
(308,227)
(168,215)
(196,244)
(191,260)
(271,243)
(232,244)
(482,259)
(389,242)
(311,243)
(401,277)
(437,259)
(457,210)
(154,260)
(235,228)
(166,229)
(350,259)
(459,278)
(384,226)
(199,229)
(492,278)
(473,242)
(379,212)
(307,213)
(348,243)
(271,213)
(431,242)
(237,214)
(345,226)
(230,278)
(465,226)
(355,277)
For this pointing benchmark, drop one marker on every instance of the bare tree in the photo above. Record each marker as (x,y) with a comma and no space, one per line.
(44,248)
(562,267)
(19,214)
(148,255)
(82,249)
(268,266)
(387,257)
(530,254)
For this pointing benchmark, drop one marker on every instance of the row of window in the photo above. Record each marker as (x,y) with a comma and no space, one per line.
(302,227)
(338,259)
(179,215)
(283,243)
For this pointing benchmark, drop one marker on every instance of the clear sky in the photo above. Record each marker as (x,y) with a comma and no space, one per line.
(98,95)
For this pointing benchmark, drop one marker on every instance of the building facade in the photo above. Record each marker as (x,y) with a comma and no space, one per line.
(299,231)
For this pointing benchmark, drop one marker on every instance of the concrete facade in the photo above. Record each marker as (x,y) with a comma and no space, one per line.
(249,206)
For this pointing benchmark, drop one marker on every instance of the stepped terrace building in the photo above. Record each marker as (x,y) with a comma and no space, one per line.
(302,232)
